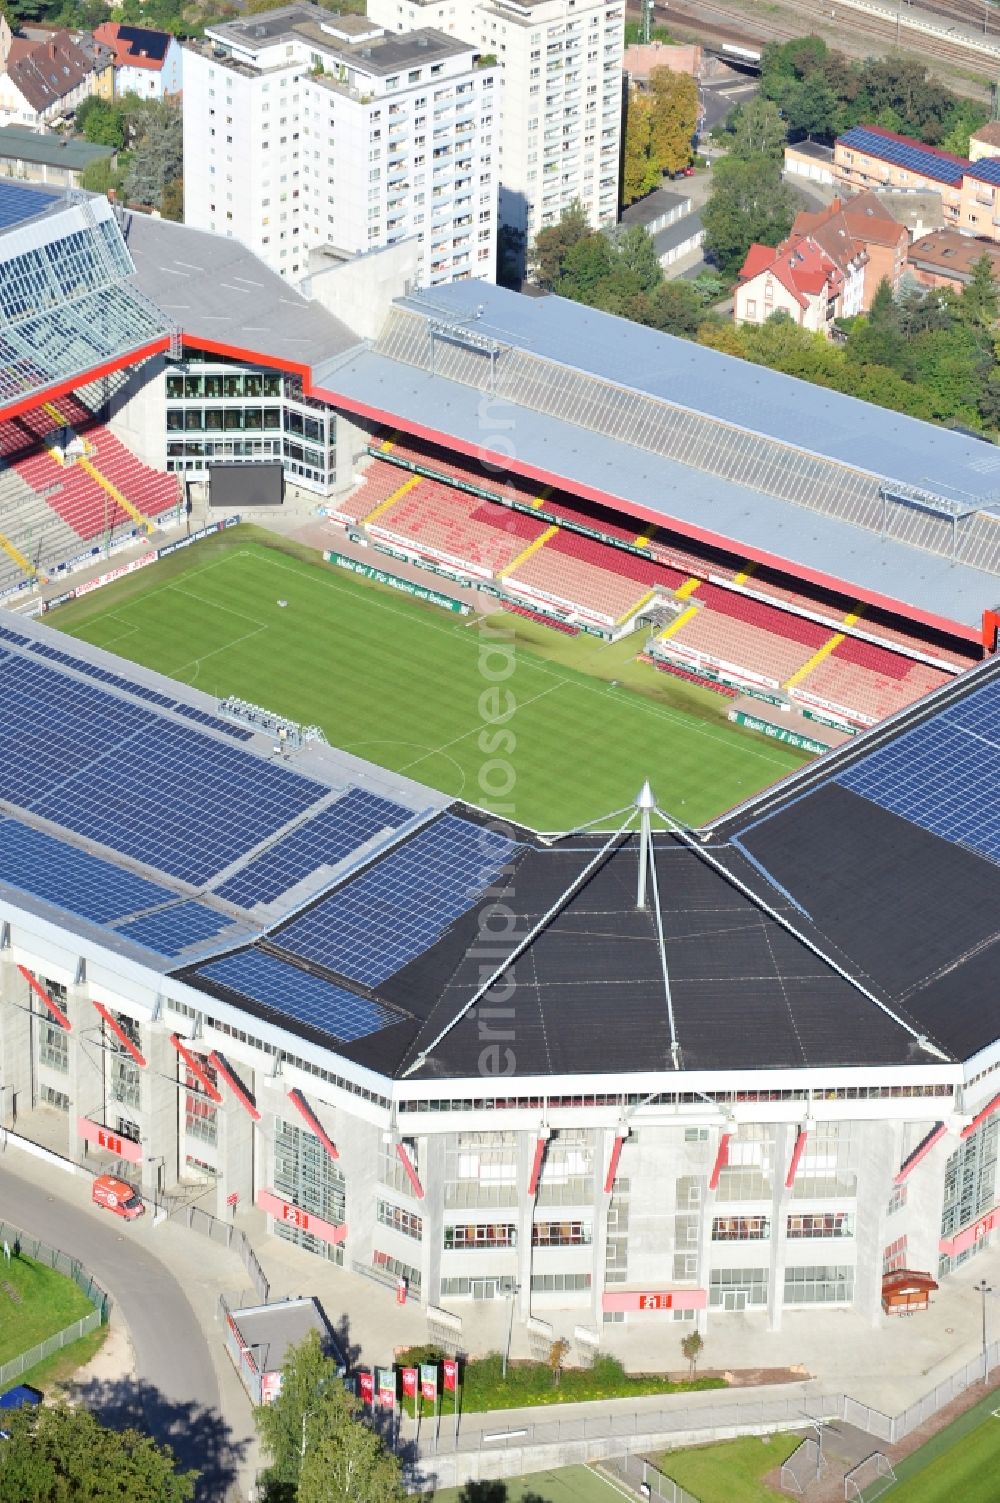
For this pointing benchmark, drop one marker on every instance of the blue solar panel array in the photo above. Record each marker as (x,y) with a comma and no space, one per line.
(943,774)
(18,204)
(913,158)
(125,777)
(168,931)
(986,171)
(273,983)
(73,880)
(372,926)
(128,686)
(321,841)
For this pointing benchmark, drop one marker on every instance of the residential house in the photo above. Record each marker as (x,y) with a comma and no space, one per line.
(798,278)
(985,142)
(147,63)
(866,241)
(945,258)
(868,156)
(42,81)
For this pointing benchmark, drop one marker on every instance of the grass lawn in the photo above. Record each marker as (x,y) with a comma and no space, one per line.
(731,1471)
(568,1484)
(961,1463)
(58,1369)
(49,1303)
(399,683)
(530,1384)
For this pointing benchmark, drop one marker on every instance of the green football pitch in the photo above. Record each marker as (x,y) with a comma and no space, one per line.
(959,1465)
(407,685)
(568,1484)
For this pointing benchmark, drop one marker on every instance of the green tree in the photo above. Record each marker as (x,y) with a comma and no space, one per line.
(639,171)
(748,203)
(675,307)
(756,129)
(691,1346)
(285,1426)
(674,119)
(101,121)
(158,157)
(553,244)
(979,305)
(345,1461)
(58,1454)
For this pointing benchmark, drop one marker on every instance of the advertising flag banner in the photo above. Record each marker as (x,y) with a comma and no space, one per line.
(387,1387)
(409,1382)
(366,1388)
(450,1374)
(429,1381)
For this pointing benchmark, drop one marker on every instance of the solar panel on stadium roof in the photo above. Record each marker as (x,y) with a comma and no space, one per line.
(13,636)
(173,800)
(942,774)
(293,993)
(372,926)
(168,931)
(18,204)
(322,841)
(73,880)
(204,717)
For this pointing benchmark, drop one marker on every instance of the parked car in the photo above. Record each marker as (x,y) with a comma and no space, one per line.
(117,1195)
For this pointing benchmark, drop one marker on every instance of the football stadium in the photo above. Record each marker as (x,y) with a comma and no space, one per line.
(683,1008)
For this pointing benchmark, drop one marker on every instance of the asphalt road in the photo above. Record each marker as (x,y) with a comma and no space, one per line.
(175,1379)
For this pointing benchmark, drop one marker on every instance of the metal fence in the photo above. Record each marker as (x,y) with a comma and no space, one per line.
(230,1236)
(14,1241)
(627,1427)
(941,1394)
(642,1476)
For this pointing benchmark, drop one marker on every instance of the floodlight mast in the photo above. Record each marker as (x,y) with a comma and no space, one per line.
(645,803)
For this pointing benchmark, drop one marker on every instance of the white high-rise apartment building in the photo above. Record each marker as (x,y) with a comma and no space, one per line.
(305,130)
(562,97)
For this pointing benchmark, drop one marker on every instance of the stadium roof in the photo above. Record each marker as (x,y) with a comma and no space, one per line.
(67,313)
(224,298)
(353,918)
(856,442)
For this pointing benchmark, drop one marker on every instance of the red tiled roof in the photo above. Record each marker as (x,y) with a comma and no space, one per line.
(801,266)
(124,48)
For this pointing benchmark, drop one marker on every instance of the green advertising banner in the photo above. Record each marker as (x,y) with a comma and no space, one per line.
(776,732)
(407,586)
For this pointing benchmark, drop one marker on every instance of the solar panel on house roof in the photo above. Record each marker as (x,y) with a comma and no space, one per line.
(322,841)
(987,171)
(942,774)
(170,930)
(18,204)
(903,154)
(71,879)
(372,926)
(293,993)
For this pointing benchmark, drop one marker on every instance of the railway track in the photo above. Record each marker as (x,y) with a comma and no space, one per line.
(871,32)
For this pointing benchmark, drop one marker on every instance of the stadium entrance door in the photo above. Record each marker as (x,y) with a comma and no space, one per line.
(484,1288)
(734,1299)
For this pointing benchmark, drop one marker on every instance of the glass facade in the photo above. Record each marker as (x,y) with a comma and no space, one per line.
(970,1178)
(219,412)
(305,1175)
(819,1284)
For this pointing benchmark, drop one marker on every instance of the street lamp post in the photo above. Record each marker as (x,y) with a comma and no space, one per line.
(983,1289)
(512,1294)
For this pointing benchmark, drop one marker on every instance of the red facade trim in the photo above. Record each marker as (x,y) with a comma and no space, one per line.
(646,514)
(411,1173)
(987,1111)
(60,388)
(920,1152)
(311,1120)
(197,1070)
(536,1166)
(43,996)
(797,1152)
(121,1035)
(721,1160)
(616,1153)
(235,1085)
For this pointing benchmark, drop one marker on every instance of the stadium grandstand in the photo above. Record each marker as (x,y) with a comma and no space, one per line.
(750,1068)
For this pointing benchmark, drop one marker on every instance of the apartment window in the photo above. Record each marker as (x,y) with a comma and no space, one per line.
(740,1229)
(486,1234)
(820,1284)
(751,307)
(400,1219)
(53,1047)
(821,1224)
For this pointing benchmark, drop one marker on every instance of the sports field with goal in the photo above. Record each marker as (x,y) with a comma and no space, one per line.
(465,705)
(961,1464)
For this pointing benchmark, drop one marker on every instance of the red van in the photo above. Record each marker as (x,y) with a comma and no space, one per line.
(118,1196)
